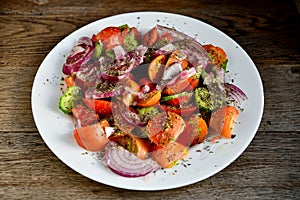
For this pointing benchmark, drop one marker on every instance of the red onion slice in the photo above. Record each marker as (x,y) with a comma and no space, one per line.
(119,52)
(85,40)
(172,71)
(77,49)
(127,164)
(79,55)
(235,93)
(184,75)
(187,73)
(94,94)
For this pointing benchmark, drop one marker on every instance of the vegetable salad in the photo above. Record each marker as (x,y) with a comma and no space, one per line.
(145,99)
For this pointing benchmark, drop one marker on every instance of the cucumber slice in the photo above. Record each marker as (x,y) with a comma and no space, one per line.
(97,50)
(69,99)
(122,27)
(168,98)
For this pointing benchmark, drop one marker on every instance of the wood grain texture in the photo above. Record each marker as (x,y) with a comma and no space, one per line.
(269,32)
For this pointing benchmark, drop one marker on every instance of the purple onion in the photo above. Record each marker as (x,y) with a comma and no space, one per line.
(235,93)
(81,53)
(127,164)
(187,73)
(95,94)
(85,40)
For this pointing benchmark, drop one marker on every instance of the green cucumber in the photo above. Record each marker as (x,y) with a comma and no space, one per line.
(168,98)
(69,99)
(122,27)
(97,50)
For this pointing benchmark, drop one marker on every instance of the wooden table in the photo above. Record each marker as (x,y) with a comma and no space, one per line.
(268,30)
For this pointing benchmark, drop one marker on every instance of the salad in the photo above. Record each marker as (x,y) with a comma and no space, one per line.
(144,99)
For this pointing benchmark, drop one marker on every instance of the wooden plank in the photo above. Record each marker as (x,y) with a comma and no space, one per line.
(264,43)
(267,30)
(35,7)
(262,173)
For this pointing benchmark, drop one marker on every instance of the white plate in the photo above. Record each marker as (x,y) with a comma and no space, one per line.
(56,128)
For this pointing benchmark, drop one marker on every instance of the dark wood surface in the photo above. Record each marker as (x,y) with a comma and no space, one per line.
(268,30)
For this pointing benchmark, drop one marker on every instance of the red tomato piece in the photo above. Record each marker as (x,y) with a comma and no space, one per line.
(168,155)
(106,34)
(101,107)
(110,37)
(134,144)
(70,80)
(150,37)
(156,67)
(166,36)
(135,32)
(92,137)
(78,140)
(178,87)
(123,35)
(182,111)
(150,99)
(216,53)
(193,84)
(185,138)
(195,131)
(84,115)
(222,120)
(162,132)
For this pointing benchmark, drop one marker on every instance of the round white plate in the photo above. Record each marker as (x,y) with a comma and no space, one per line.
(56,128)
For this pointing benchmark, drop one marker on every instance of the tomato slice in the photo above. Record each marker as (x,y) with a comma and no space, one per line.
(222,120)
(84,115)
(182,111)
(166,36)
(200,129)
(195,131)
(106,34)
(150,37)
(70,80)
(135,32)
(178,87)
(136,145)
(150,99)
(78,140)
(168,155)
(217,54)
(162,132)
(156,68)
(92,137)
(177,56)
(185,138)
(194,82)
(101,107)
(110,37)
